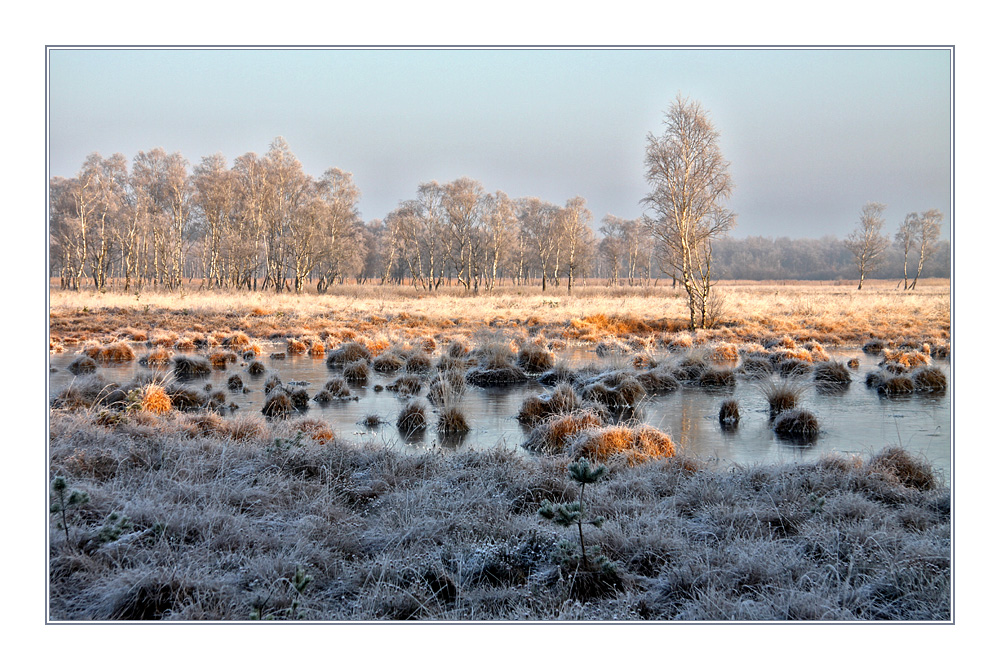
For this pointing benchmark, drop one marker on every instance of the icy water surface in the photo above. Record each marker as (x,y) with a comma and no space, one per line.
(855,421)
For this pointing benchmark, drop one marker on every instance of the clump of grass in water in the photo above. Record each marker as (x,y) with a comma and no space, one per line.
(797,424)
(418,362)
(534,358)
(235,383)
(388,361)
(832,373)
(658,380)
(633,444)
(412,418)
(930,380)
(895,385)
(539,408)
(553,436)
(452,420)
(447,388)
(357,372)
(188,367)
(781,396)
(406,385)
(277,404)
(729,412)
(614,389)
(348,352)
(83,365)
(256,368)
(756,366)
(717,378)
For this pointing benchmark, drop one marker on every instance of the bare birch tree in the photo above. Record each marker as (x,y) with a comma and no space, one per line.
(927,235)
(690,179)
(574,228)
(866,242)
(905,239)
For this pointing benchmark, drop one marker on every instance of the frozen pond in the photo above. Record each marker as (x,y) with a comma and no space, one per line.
(854,421)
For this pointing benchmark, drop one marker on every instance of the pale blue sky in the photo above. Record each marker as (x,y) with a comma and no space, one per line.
(812,134)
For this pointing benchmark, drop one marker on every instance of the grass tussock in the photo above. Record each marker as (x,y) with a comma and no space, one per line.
(412,417)
(534,358)
(796,423)
(190,367)
(452,420)
(729,412)
(930,380)
(537,409)
(278,404)
(357,372)
(781,395)
(631,444)
(717,378)
(554,436)
(447,388)
(82,365)
(658,380)
(406,385)
(832,373)
(614,389)
(905,358)
(155,400)
(348,352)
(755,366)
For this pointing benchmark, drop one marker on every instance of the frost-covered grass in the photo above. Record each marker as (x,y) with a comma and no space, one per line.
(217,516)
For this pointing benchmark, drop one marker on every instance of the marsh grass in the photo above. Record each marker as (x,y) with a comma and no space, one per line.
(191,367)
(831,373)
(729,412)
(630,444)
(221,516)
(780,395)
(797,423)
(412,417)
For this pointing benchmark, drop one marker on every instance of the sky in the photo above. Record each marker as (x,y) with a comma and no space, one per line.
(811,134)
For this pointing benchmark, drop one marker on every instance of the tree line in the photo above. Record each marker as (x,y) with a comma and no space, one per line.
(262,223)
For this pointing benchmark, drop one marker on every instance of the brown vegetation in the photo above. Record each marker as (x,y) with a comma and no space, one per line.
(633,444)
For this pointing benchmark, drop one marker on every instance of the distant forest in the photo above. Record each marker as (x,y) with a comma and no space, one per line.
(263,224)
(807,258)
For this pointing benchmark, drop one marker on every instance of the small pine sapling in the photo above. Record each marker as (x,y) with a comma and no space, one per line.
(73,499)
(567,514)
(298,583)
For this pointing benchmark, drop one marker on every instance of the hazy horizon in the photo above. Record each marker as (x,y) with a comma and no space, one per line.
(811,134)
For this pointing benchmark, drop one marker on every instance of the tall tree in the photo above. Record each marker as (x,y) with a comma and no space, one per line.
(539,224)
(500,231)
(215,195)
(927,235)
(461,200)
(867,243)
(574,227)
(906,237)
(613,245)
(689,178)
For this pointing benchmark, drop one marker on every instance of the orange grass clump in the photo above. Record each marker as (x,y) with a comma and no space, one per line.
(155,400)
(633,444)
(316,429)
(724,353)
(906,358)
(297,347)
(554,436)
